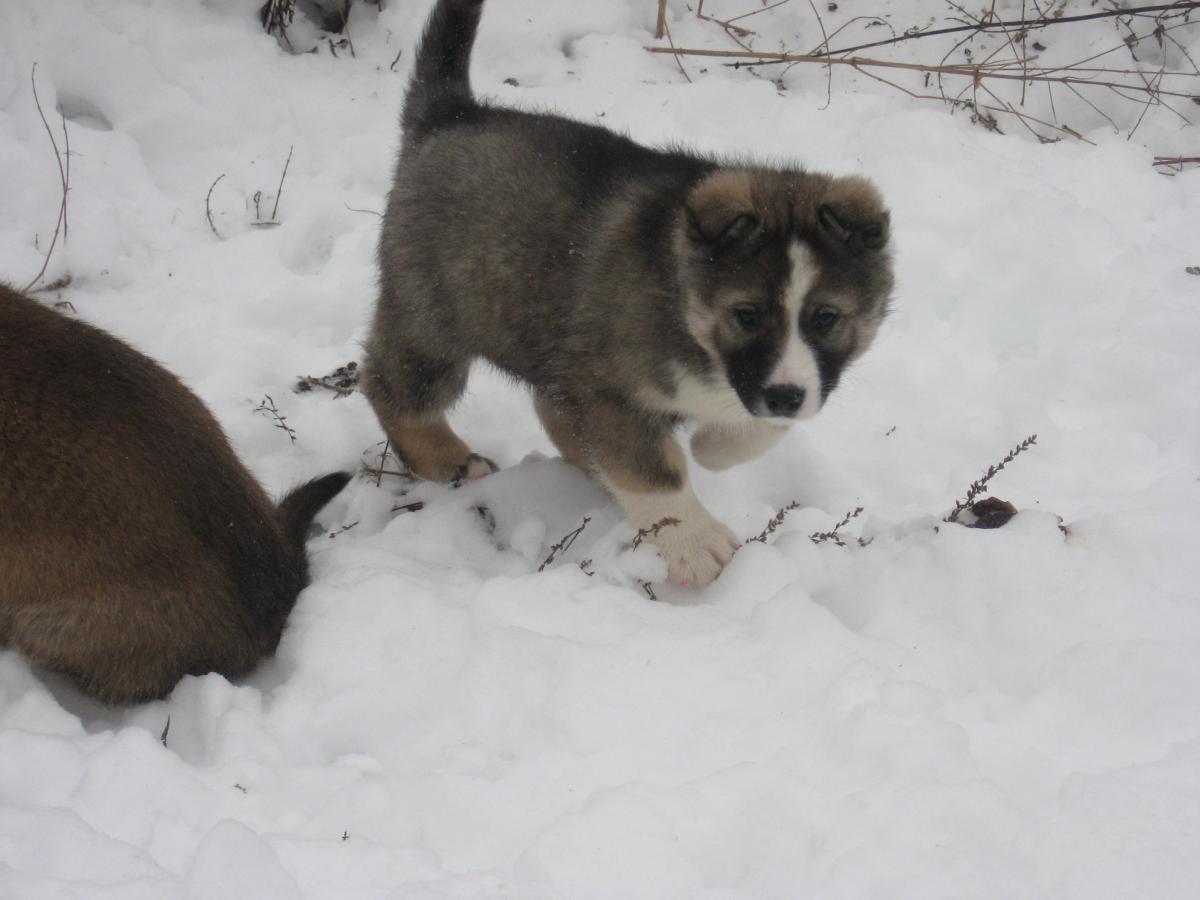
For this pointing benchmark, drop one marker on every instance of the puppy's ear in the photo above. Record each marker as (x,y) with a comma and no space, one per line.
(720,210)
(853,216)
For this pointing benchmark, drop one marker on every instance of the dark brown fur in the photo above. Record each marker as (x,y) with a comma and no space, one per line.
(134,547)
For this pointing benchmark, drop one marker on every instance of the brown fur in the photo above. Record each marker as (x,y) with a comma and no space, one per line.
(134,547)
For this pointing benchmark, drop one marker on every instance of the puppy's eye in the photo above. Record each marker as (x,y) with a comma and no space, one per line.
(749,316)
(824,319)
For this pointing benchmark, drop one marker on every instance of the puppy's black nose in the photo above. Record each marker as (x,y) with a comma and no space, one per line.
(783,399)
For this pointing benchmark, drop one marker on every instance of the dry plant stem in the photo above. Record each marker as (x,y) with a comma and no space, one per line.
(208,207)
(280,14)
(64,174)
(268,406)
(564,543)
(660,27)
(819,537)
(653,530)
(824,43)
(1020,23)
(976,72)
(678,61)
(776,521)
(387,445)
(979,486)
(735,32)
(279,192)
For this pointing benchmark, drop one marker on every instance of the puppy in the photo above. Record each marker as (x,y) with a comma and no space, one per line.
(633,289)
(134,547)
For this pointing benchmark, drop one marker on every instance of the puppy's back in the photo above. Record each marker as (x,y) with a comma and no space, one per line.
(134,546)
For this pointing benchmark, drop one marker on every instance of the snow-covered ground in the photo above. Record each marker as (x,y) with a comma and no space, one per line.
(944,712)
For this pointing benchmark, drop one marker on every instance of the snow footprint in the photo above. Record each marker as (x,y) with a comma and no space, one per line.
(308,245)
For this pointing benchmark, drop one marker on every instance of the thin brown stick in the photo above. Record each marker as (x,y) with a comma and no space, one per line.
(653,530)
(208,208)
(280,420)
(977,487)
(970,104)
(824,43)
(66,175)
(1020,23)
(279,192)
(661,26)
(735,32)
(978,72)
(564,543)
(387,443)
(678,61)
(64,178)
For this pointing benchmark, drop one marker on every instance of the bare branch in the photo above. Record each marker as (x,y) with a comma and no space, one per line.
(977,487)
(208,208)
(564,543)
(64,175)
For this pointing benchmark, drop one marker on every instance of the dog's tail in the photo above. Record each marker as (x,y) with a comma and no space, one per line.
(299,505)
(440,90)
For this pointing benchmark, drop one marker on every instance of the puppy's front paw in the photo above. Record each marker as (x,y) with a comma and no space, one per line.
(696,551)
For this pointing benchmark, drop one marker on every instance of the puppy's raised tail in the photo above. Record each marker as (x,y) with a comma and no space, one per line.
(299,505)
(440,90)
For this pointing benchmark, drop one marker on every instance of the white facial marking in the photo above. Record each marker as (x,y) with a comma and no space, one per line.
(798,364)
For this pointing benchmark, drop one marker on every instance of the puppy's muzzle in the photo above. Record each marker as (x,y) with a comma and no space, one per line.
(783,400)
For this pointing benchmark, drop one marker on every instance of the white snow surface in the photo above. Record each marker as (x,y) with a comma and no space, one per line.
(944,712)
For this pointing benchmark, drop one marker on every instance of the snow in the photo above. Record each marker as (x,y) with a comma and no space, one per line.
(942,712)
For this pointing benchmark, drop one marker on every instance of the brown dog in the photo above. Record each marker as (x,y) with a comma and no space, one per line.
(134,547)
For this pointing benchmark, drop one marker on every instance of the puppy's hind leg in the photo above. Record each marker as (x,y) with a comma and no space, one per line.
(410,395)
(564,431)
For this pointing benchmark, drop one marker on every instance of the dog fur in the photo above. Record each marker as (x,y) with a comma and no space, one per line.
(633,289)
(134,547)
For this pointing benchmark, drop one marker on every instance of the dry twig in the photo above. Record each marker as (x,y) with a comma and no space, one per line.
(280,421)
(977,487)
(653,530)
(977,81)
(564,543)
(279,191)
(776,521)
(64,174)
(820,537)
(208,207)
